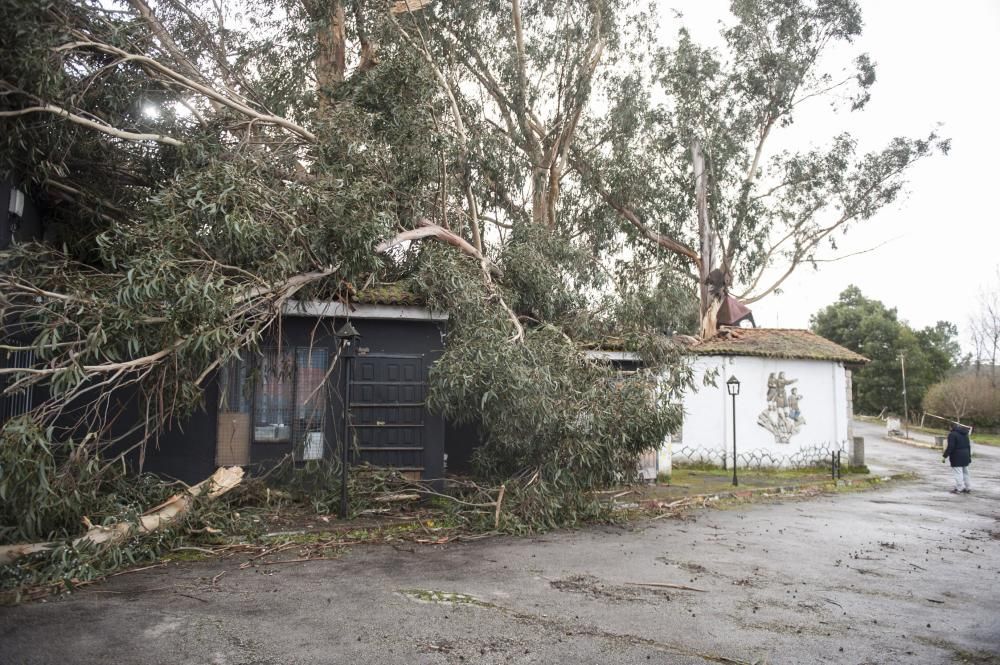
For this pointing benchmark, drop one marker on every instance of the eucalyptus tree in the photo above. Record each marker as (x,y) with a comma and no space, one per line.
(574,120)
(686,154)
(201,164)
(192,183)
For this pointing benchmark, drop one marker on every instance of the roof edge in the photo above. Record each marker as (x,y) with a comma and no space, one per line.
(337,309)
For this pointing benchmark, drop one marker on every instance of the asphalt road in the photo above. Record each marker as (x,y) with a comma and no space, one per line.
(904,574)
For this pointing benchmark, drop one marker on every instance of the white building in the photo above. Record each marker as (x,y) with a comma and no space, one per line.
(794,404)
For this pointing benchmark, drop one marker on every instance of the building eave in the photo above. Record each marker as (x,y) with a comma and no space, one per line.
(336,309)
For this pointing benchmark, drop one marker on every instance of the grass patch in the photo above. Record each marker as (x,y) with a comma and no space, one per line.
(700,479)
(984,438)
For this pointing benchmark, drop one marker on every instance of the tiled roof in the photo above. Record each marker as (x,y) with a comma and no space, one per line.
(774,343)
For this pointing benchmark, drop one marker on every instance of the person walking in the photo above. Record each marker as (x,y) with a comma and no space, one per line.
(959,453)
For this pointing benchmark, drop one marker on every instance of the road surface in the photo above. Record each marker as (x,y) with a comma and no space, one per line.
(904,574)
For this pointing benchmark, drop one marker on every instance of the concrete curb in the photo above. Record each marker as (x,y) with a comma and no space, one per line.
(750,493)
(911,442)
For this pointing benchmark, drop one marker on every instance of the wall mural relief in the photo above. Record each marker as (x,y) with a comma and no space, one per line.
(782,417)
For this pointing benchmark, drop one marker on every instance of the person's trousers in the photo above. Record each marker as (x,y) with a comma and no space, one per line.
(962,480)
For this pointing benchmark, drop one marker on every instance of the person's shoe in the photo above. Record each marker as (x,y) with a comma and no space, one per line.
(955,491)
(966,491)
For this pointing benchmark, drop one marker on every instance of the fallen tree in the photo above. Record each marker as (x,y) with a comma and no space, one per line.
(201,165)
(169,513)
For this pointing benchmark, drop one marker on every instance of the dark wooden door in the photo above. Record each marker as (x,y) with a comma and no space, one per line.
(388,410)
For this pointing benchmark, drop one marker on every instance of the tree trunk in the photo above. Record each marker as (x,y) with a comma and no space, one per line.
(709,303)
(540,195)
(330,48)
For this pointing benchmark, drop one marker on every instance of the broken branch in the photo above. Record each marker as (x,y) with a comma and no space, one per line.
(167,513)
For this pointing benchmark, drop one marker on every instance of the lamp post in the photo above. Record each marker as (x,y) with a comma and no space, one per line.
(906,408)
(733,386)
(347,335)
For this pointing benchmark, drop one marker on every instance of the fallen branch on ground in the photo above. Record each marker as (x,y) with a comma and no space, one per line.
(167,513)
(666,585)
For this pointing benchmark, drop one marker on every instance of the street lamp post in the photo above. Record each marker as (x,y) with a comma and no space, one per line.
(733,386)
(906,408)
(347,335)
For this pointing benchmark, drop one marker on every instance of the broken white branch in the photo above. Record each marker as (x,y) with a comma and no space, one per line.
(167,513)
(429,229)
(86,122)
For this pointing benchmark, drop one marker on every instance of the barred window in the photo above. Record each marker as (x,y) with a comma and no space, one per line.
(21,401)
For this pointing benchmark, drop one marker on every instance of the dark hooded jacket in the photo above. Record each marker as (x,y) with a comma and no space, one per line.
(959,449)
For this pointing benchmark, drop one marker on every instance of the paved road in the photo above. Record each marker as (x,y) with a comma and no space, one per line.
(907,574)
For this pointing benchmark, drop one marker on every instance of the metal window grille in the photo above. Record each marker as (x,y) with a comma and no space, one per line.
(22,401)
(282,392)
(274,397)
(311,365)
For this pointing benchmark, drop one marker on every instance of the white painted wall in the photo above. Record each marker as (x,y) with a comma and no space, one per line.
(708,419)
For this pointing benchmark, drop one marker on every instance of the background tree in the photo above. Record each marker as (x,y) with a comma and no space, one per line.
(870,328)
(697,174)
(984,326)
(966,397)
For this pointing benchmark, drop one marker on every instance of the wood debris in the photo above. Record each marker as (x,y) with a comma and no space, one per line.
(667,585)
(166,514)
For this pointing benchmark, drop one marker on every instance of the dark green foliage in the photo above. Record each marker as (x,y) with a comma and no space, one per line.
(46,489)
(873,330)
(556,423)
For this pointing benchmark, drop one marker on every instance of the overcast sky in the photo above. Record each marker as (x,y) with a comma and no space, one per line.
(938,62)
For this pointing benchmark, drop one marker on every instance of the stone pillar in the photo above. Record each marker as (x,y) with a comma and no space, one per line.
(858,451)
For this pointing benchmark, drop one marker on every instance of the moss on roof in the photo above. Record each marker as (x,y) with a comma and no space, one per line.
(774,343)
(395,293)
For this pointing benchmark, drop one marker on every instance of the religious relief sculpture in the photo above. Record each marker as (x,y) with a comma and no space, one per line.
(782,418)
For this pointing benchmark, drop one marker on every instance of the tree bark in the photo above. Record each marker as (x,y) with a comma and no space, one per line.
(331,41)
(706,261)
(167,513)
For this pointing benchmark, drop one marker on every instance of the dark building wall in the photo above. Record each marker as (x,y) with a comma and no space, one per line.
(187,451)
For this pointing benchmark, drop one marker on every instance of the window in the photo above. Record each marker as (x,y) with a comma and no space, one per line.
(272,422)
(310,401)
(232,441)
(283,394)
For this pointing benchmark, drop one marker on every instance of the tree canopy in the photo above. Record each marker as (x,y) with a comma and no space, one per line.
(201,164)
(870,328)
